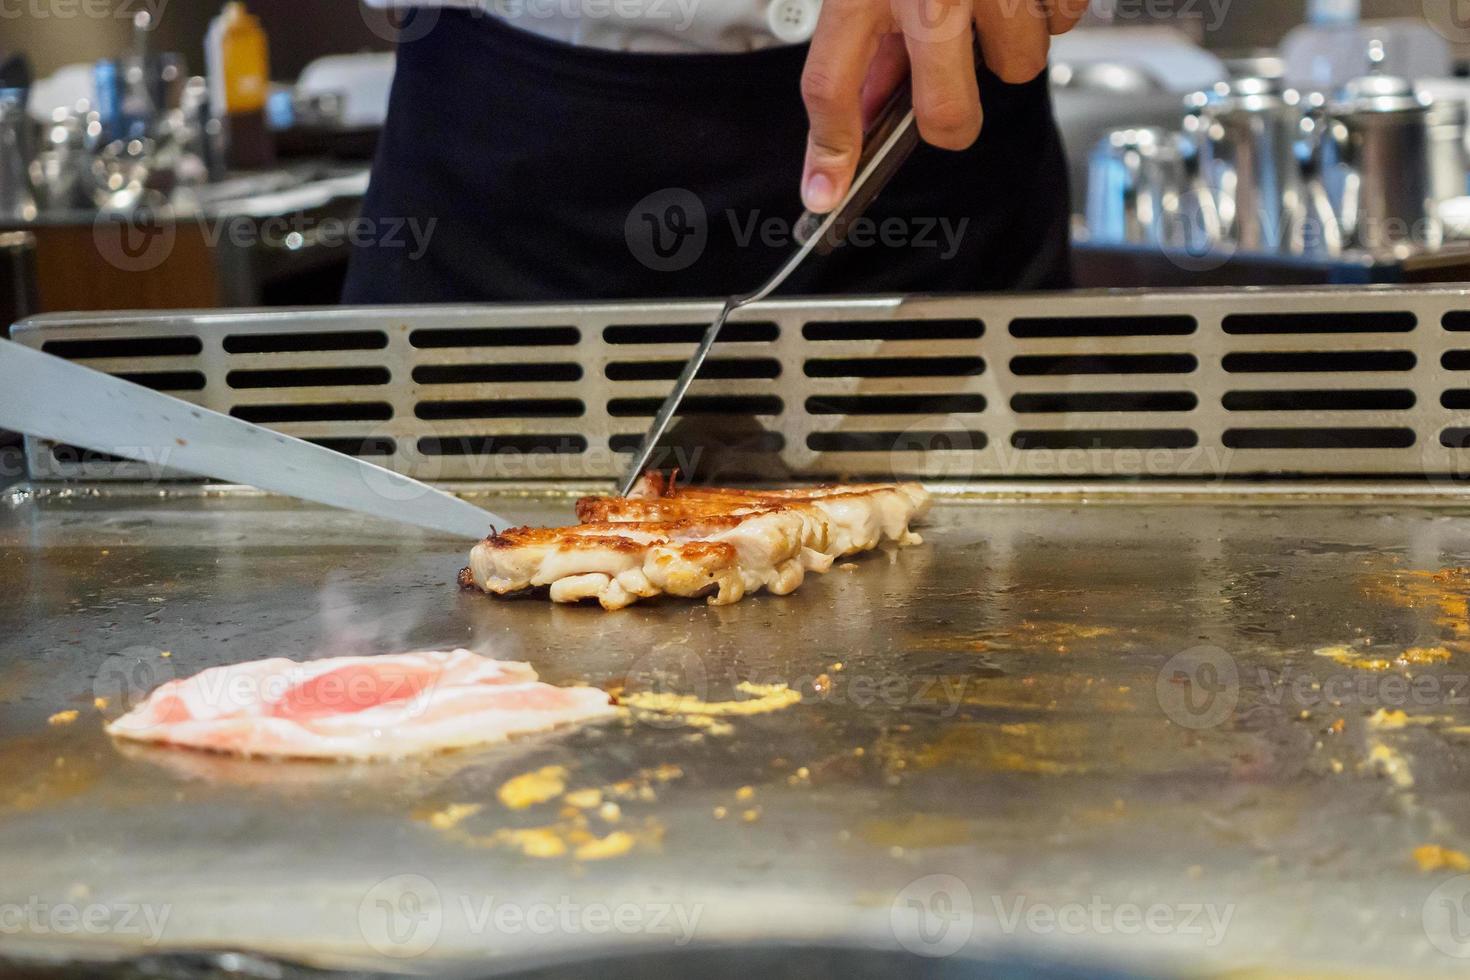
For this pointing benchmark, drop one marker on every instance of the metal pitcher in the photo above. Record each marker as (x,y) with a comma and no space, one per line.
(1249,131)
(17,154)
(1378,162)
(1141,191)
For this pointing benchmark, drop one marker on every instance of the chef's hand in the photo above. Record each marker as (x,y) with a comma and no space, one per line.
(863,49)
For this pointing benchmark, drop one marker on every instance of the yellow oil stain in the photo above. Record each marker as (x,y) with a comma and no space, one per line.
(615,844)
(1388,762)
(764,698)
(1386,719)
(916,832)
(1348,657)
(452,815)
(584,799)
(530,788)
(63,717)
(1052,750)
(31,784)
(1419,656)
(708,724)
(1445,592)
(1433,857)
(100,704)
(536,842)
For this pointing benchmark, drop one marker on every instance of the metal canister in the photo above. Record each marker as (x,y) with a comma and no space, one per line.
(1448,161)
(18,290)
(1249,131)
(1378,164)
(17,154)
(1136,179)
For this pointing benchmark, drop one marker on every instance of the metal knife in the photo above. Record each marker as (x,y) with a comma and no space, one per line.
(43,395)
(887,144)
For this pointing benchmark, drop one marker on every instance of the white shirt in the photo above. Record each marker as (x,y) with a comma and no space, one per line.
(654,26)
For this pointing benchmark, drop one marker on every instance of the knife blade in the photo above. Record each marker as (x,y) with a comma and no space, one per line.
(888,143)
(46,396)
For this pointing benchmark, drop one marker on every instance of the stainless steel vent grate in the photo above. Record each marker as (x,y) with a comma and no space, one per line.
(1188,384)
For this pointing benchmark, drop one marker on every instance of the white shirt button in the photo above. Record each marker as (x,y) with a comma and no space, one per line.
(793,21)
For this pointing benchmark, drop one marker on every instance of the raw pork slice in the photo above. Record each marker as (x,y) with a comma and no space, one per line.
(357,707)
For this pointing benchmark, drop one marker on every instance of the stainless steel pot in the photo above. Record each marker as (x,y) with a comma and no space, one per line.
(1138,185)
(17,153)
(1248,134)
(1448,163)
(1378,161)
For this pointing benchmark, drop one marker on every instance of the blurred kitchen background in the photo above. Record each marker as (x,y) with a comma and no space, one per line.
(146,163)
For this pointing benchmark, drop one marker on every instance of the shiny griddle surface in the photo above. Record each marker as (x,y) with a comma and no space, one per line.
(1008,710)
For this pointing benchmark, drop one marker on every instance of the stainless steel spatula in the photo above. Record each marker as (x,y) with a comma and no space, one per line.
(43,395)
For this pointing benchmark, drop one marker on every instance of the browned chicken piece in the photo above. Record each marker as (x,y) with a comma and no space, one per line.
(690,542)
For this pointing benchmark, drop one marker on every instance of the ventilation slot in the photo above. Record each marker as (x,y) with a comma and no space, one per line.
(328,412)
(1257,324)
(458,374)
(939,441)
(1039,365)
(894,330)
(558,445)
(1318,438)
(508,408)
(1388,400)
(125,347)
(1456,360)
(715,369)
(1107,439)
(373,446)
(896,367)
(167,380)
(895,404)
(1456,398)
(1455,438)
(1132,401)
(1030,328)
(309,378)
(691,333)
(761,442)
(623,408)
(291,343)
(1319,362)
(1457,320)
(496,337)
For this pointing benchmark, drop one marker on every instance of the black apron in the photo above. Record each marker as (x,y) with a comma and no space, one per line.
(517,168)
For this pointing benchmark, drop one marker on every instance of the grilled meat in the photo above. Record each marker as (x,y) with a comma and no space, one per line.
(692,542)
